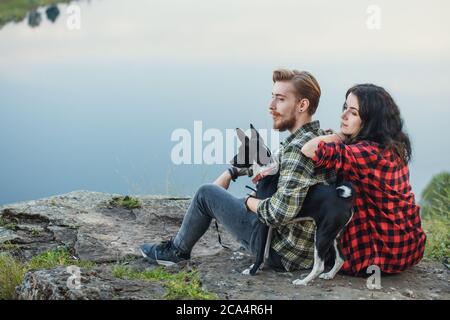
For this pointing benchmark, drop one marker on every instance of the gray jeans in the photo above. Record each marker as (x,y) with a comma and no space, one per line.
(214,202)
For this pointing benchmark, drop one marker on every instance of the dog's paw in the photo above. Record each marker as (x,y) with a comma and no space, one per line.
(327,276)
(247,271)
(300,282)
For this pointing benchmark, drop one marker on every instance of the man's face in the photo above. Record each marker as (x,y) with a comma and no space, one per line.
(282,106)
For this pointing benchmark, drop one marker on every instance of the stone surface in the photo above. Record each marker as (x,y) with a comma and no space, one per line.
(97,283)
(94,230)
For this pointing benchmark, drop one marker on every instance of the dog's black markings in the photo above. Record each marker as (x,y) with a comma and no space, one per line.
(329,206)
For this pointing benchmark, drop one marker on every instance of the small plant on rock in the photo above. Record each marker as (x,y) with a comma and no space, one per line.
(126,202)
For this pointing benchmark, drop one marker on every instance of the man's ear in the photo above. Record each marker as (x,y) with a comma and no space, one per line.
(303,105)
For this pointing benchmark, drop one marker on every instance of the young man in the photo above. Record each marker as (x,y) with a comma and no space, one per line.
(295,98)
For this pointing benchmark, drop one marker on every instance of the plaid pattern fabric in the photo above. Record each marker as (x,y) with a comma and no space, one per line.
(294,241)
(385,229)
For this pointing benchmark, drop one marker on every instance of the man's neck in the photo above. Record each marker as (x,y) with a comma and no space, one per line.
(300,123)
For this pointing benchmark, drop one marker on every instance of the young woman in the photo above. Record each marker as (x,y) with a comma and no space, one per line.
(372,152)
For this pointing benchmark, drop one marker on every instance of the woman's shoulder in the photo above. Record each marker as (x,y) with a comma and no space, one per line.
(364,151)
(365,144)
(364,147)
(375,153)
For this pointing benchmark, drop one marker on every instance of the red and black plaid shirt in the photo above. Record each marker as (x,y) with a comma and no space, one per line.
(385,229)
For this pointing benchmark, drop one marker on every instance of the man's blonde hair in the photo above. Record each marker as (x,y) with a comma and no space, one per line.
(305,84)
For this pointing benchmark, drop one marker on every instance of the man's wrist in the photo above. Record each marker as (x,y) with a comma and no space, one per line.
(233,173)
(246,202)
(252,203)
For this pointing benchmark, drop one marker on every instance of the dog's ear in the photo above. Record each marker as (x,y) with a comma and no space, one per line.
(255,133)
(241,135)
(263,153)
(257,137)
(241,159)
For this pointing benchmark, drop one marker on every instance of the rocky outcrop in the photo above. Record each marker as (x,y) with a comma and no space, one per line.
(97,283)
(95,230)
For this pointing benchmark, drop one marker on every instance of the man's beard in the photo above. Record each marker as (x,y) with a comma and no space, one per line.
(284,124)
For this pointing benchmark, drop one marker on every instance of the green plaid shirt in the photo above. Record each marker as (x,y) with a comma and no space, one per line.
(294,242)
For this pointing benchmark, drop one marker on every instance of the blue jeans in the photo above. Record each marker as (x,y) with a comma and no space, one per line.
(214,202)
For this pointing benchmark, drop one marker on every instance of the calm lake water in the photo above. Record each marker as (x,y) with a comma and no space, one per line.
(95,108)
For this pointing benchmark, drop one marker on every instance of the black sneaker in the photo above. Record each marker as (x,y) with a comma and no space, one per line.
(165,253)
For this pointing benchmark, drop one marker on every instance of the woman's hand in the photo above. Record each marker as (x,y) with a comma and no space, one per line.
(341,136)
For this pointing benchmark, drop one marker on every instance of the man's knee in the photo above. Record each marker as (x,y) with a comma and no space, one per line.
(207,191)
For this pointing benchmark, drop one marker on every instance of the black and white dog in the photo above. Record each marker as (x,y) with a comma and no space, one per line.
(329,206)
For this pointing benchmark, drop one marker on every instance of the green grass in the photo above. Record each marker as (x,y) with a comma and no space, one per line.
(8,246)
(126,202)
(438,238)
(54,258)
(16,10)
(11,275)
(35,232)
(7,224)
(12,271)
(435,209)
(181,285)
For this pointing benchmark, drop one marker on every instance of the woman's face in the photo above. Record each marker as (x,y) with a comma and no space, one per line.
(350,120)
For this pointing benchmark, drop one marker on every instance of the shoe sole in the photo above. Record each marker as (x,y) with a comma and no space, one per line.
(160,262)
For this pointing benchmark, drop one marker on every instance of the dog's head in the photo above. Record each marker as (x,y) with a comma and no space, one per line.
(251,150)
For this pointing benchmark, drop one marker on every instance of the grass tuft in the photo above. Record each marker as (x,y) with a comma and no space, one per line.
(437,230)
(126,202)
(12,271)
(435,209)
(8,224)
(181,285)
(11,275)
(54,258)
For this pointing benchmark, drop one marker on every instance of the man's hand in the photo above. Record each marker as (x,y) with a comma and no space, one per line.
(251,204)
(225,178)
(238,172)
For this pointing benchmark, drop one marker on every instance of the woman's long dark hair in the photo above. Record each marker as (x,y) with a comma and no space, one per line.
(381,120)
